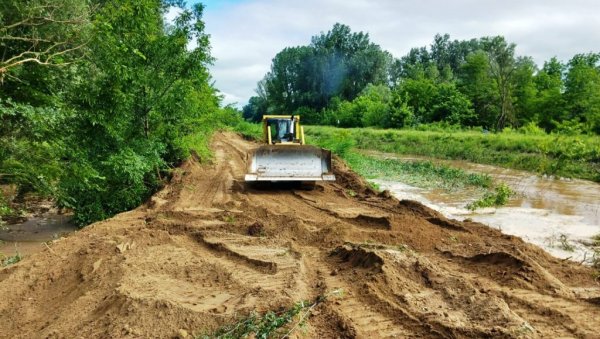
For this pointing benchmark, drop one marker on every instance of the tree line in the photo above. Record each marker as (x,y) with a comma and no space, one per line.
(343,79)
(97,98)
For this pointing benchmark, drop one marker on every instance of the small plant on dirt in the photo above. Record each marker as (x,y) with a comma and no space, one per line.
(499,197)
(351,193)
(271,324)
(10,260)
(230,219)
(375,186)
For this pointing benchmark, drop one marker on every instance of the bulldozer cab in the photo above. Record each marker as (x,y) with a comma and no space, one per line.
(282,129)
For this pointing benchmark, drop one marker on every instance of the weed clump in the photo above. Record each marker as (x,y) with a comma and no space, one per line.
(499,197)
(10,260)
(270,324)
(561,242)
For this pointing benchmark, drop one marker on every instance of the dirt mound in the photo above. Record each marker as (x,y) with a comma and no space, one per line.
(206,249)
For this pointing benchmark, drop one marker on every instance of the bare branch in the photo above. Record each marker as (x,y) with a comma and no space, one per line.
(39,58)
(29,44)
(18,38)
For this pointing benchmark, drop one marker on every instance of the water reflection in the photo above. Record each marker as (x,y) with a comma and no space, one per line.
(28,237)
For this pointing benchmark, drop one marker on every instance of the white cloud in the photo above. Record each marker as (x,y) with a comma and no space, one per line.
(246,35)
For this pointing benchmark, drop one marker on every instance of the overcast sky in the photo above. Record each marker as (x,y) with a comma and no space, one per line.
(246,34)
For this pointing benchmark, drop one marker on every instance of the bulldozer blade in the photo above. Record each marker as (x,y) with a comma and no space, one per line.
(289,163)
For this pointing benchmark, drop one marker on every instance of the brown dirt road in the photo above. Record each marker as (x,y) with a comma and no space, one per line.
(206,249)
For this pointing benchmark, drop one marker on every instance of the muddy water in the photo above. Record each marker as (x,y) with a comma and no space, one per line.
(29,237)
(548,212)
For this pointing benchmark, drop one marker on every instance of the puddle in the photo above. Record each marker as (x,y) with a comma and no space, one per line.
(29,237)
(545,211)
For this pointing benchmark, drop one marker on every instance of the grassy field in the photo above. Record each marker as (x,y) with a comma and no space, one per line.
(564,156)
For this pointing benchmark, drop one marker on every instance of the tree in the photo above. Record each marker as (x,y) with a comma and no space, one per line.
(255,109)
(338,63)
(374,103)
(420,95)
(477,84)
(501,61)
(582,90)
(525,90)
(401,115)
(549,103)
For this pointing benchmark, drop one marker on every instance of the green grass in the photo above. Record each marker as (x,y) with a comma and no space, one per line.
(565,156)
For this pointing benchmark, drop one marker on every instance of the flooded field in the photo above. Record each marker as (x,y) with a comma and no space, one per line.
(560,215)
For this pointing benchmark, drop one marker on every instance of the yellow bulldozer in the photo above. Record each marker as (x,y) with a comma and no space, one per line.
(286,157)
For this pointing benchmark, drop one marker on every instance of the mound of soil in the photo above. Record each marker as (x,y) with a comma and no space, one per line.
(207,249)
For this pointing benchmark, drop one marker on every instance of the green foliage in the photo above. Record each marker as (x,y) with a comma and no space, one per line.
(129,102)
(582,90)
(146,102)
(531,128)
(10,260)
(499,197)
(401,114)
(271,324)
(4,207)
(249,130)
